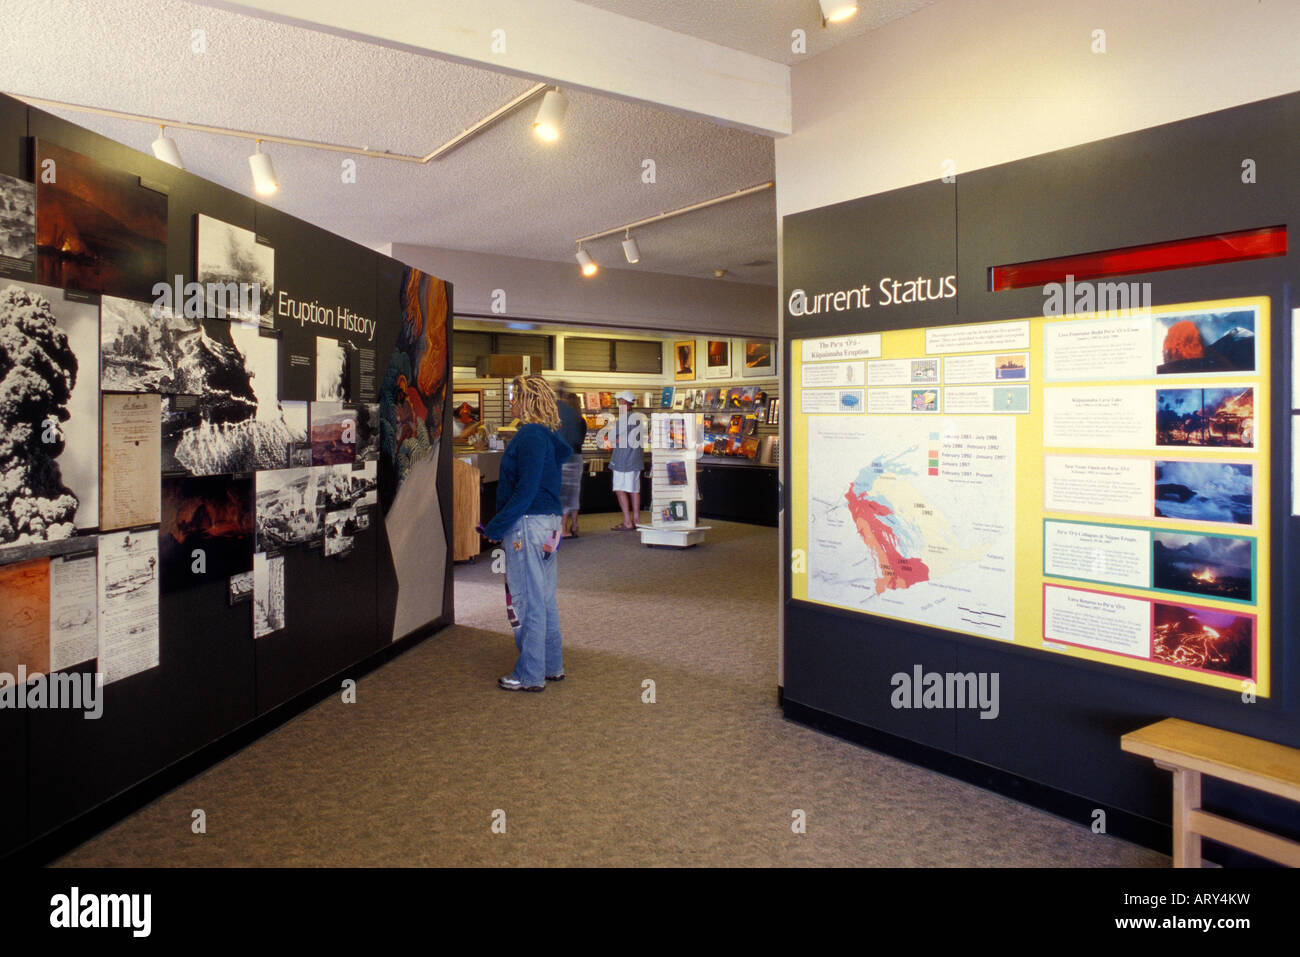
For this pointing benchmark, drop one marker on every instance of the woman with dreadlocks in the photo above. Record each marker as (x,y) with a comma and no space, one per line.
(527,523)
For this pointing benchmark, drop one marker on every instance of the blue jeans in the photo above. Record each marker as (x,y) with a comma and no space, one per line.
(532,581)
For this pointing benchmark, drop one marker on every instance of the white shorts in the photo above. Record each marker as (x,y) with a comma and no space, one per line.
(627,481)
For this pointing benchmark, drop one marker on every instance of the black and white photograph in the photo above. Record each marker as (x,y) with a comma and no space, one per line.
(227,254)
(268,594)
(17,228)
(367,418)
(144,348)
(344,486)
(340,527)
(369,484)
(236,423)
(49,476)
(294,413)
(240,588)
(333,370)
(288,507)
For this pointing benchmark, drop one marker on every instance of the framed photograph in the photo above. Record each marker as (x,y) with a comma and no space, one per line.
(717,361)
(758,358)
(466,411)
(684,357)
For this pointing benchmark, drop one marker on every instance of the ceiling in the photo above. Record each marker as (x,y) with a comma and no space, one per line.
(502,192)
(760,27)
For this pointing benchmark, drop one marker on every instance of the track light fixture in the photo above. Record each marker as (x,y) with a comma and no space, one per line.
(164,147)
(630,249)
(834,11)
(264,181)
(549,116)
(588,264)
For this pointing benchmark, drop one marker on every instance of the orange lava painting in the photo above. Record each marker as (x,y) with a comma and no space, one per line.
(97,228)
(211,515)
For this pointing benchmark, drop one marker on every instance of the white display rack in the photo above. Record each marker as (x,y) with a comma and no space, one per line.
(673,494)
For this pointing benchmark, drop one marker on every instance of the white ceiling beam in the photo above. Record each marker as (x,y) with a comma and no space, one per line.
(563,42)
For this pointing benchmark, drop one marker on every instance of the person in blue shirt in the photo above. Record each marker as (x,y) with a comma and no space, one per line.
(527,523)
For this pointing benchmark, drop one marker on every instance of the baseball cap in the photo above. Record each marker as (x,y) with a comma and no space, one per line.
(626,396)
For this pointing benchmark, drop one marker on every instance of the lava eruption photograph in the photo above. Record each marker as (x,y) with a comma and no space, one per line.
(1205,491)
(97,228)
(1204,639)
(1216,566)
(1224,418)
(210,514)
(1206,342)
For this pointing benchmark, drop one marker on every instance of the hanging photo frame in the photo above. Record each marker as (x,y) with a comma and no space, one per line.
(684,360)
(758,358)
(717,359)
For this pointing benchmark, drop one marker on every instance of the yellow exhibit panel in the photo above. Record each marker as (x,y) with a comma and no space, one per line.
(1094,485)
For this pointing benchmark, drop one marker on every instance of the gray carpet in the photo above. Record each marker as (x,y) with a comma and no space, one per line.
(585,772)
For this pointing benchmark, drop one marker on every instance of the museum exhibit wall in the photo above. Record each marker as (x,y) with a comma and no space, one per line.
(273,492)
(936,535)
(620,298)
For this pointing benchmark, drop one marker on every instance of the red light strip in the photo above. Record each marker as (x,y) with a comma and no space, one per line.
(1153,257)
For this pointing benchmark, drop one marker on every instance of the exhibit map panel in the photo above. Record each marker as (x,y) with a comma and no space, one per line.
(1095,486)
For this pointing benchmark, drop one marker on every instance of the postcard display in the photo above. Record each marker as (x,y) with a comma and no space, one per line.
(673,455)
(215,500)
(1092,503)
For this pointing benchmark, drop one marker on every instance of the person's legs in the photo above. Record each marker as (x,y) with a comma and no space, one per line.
(526,575)
(623,504)
(550,579)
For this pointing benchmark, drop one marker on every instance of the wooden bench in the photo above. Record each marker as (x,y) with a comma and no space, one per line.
(1190,750)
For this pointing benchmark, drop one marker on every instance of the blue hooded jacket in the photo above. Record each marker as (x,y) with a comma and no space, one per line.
(530,478)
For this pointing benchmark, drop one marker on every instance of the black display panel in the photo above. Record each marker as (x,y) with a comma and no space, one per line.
(1059,721)
(886,261)
(336,610)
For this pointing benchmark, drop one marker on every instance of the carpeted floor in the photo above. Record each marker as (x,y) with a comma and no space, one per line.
(586,773)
